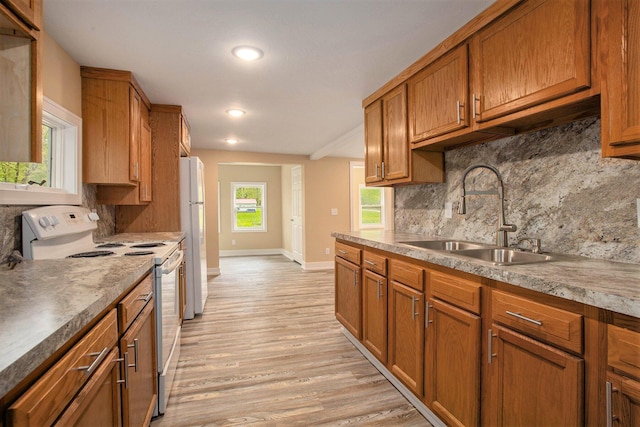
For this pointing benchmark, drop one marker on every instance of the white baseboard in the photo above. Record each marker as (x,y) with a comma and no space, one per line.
(249,252)
(321,265)
(426,412)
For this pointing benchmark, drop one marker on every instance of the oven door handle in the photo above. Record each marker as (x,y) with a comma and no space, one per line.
(173,265)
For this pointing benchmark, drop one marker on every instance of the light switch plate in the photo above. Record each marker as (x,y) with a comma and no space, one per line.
(448,210)
(334,211)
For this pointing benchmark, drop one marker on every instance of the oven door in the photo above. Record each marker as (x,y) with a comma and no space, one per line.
(167,323)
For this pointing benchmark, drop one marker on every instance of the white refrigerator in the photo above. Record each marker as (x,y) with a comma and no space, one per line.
(192,219)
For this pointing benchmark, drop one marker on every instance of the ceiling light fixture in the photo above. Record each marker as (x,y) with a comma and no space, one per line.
(231,141)
(247,53)
(235,112)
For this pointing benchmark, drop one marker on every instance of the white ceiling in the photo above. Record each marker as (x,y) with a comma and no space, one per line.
(321,58)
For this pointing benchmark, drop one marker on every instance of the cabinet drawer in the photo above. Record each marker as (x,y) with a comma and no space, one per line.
(374,262)
(134,302)
(460,292)
(623,350)
(550,324)
(349,253)
(45,400)
(407,274)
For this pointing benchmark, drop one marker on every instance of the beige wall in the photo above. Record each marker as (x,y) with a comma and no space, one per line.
(272,237)
(61,80)
(325,187)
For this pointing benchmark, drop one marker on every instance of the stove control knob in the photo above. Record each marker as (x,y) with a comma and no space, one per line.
(54,220)
(44,222)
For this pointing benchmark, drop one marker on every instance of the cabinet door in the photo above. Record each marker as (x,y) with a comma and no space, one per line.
(30,11)
(185,137)
(348,297)
(406,335)
(140,393)
(534,384)
(437,98)
(394,127)
(621,91)
(145,164)
(538,52)
(135,104)
(623,401)
(98,403)
(373,142)
(374,314)
(452,364)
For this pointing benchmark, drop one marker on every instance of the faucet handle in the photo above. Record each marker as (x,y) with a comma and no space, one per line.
(462,206)
(508,227)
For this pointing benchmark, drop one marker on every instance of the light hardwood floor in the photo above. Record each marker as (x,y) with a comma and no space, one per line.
(268,351)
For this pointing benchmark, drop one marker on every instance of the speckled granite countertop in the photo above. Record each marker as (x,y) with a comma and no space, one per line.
(609,285)
(45,303)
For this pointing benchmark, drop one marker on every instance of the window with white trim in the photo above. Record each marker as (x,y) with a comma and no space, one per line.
(249,206)
(371,207)
(58,179)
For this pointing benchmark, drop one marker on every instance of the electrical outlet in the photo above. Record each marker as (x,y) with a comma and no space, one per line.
(448,210)
(233,243)
(334,211)
(326,251)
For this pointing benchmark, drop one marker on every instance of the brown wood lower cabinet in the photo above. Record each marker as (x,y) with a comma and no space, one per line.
(534,383)
(452,363)
(623,401)
(98,404)
(140,391)
(406,335)
(348,305)
(374,314)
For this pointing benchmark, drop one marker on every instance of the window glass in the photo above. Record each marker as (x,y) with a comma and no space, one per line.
(371,207)
(31,173)
(249,206)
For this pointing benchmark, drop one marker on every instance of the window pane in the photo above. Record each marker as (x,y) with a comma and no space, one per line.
(370,196)
(371,215)
(248,207)
(31,173)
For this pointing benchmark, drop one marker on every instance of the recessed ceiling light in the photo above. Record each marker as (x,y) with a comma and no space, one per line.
(248,53)
(235,112)
(231,141)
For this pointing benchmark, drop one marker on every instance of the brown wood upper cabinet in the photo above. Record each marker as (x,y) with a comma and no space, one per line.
(21,106)
(621,81)
(185,137)
(438,96)
(540,51)
(30,11)
(389,158)
(116,138)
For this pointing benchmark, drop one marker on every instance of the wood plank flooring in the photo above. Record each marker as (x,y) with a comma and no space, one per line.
(269,352)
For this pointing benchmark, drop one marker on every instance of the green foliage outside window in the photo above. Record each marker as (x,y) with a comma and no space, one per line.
(371,205)
(30,173)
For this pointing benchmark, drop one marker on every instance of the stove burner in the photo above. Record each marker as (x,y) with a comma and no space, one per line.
(139,253)
(110,245)
(148,245)
(91,254)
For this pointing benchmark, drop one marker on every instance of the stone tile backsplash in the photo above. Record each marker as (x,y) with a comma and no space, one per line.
(11,222)
(558,188)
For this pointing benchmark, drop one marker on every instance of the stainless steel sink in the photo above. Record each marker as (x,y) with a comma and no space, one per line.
(446,245)
(506,256)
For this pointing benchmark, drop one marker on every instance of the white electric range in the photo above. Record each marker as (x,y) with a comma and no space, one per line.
(56,232)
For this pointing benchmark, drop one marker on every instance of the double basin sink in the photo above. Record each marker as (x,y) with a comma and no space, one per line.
(485,253)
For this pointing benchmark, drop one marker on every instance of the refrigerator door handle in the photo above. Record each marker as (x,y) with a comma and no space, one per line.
(196,203)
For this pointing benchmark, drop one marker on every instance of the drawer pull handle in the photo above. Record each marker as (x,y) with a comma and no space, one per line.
(526,319)
(146,298)
(370,263)
(100,357)
(343,252)
(125,360)
(610,417)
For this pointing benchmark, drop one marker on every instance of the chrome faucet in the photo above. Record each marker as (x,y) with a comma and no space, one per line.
(502,239)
